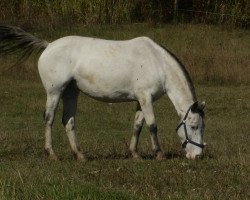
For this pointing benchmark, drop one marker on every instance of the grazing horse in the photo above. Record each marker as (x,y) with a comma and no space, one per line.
(112,71)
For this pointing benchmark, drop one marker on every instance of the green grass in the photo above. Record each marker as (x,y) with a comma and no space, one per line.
(104,130)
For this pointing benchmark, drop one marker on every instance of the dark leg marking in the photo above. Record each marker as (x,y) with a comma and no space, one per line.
(153,129)
(65,118)
(69,97)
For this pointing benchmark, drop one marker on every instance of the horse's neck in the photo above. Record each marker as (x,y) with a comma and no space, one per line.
(178,85)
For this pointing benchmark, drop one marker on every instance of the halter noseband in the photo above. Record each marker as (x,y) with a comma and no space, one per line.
(187,140)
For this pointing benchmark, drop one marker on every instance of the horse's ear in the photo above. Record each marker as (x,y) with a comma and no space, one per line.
(202,105)
(194,107)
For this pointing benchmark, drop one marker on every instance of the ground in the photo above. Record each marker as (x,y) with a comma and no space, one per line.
(104,132)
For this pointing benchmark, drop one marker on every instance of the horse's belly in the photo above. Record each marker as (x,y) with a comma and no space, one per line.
(104,91)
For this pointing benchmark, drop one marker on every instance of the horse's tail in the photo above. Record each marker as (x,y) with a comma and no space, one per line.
(16,40)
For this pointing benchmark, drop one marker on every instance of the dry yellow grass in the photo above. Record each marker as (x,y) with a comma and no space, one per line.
(58,13)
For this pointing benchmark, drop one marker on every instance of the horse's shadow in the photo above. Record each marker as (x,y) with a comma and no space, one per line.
(144,156)
(127,156)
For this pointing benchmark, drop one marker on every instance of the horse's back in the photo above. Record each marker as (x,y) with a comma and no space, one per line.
(90,45)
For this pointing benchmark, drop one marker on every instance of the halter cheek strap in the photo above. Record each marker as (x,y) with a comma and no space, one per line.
(187,140)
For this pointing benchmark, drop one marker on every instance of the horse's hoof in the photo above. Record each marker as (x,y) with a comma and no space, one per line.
(136,156)
(53,157)
(160,156)
(80,157)
(50,153)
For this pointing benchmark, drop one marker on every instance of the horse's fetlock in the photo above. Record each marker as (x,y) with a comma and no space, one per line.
(136,156)
(160,156)
(157,151)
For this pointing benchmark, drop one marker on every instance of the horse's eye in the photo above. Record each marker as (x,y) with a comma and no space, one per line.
(194,127)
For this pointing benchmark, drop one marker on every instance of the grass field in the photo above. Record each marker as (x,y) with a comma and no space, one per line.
(211,54)
(104,132)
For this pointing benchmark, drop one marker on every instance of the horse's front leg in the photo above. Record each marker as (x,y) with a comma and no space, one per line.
(138,123)
(148,112)
(69,97)
(51,104)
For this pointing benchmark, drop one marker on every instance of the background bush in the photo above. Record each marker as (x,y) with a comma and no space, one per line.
(65,13)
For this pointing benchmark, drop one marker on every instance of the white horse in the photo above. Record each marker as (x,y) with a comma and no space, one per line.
(112,71)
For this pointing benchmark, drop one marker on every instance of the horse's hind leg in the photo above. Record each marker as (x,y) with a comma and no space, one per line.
(51,104)
(148,112)
(138,123)
(69,97)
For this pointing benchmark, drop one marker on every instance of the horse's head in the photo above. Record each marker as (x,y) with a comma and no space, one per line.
(191,130)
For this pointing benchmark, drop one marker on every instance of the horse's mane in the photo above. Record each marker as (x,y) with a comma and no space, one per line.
(184,70)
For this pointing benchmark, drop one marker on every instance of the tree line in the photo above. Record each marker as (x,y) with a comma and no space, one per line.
(55,13)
